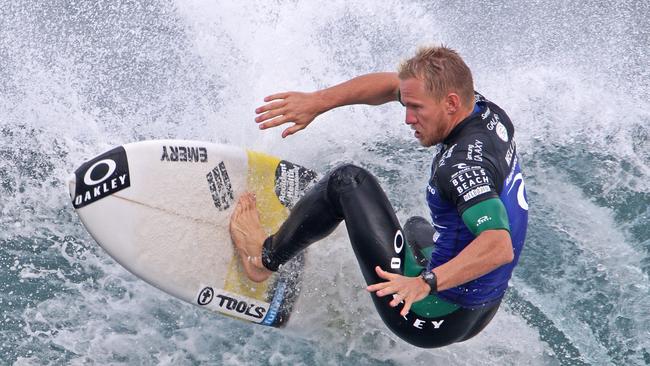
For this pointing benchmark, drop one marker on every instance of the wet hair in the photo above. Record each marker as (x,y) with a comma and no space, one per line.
(442,70)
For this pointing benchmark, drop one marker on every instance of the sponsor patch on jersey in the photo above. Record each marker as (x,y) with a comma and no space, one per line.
(475,193)
(101,177)
(482,220)
(485,114)
(493,122)
(446,155)
(521,191)
(469,178)
(461,166)
(475,151)
(502,132)
(431,190)
(511,150)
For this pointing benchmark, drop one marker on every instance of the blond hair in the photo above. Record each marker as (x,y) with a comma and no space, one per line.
(442,70)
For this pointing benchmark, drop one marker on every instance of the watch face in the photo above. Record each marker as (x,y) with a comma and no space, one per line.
(431,280)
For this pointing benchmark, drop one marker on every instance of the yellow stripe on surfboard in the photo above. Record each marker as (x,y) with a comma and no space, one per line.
(261,181)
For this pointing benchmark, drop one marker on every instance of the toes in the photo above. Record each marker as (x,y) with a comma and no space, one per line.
(238,208)
(253,200)
(244,200)
(248,200)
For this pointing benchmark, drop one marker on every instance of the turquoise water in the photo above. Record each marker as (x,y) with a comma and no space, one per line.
(77,78)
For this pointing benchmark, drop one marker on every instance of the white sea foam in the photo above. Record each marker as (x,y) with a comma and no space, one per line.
(197,69)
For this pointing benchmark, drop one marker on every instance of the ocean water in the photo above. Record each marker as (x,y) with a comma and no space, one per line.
(78,77)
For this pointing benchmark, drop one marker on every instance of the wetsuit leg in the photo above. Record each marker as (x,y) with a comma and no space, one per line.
(352,194)
(419,235)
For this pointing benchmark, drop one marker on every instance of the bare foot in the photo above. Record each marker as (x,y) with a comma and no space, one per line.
(248,236)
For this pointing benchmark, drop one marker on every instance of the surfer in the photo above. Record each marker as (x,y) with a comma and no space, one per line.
(432,284)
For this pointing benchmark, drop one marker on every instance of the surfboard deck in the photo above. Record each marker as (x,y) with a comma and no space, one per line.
(162,208)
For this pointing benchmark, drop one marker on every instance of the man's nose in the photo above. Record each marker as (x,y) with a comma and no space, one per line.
(410,117)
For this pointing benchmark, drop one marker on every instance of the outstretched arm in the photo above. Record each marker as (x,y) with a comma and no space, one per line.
(301,108)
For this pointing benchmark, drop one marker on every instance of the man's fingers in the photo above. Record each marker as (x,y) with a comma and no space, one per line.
(271,106)
(404,289)
(396,300)
(382,289)
(406,308)
(282,95)
(274,122)
(291,130)
(388,290)
(270,115)
(377,286)
(383,274)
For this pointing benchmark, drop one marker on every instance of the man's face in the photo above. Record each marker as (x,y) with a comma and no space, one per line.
(426,115)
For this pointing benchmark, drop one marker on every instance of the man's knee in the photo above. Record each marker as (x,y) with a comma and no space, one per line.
(351,181)
(418,233)
(349,170)
(347,175)
(418,230)
(415,222)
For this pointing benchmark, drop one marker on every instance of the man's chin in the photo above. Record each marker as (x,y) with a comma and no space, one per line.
(424,142)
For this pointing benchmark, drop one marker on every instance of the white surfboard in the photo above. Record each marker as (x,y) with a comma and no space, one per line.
(162,208)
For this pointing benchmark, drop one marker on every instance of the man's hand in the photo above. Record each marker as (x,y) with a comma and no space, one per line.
(302,108)
(296,107)
(407,289)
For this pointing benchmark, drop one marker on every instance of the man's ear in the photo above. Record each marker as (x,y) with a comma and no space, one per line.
(452,101)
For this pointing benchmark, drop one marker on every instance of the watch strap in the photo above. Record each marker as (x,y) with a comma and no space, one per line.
(430,278)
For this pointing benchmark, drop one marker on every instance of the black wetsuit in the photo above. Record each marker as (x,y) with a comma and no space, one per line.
(352,194)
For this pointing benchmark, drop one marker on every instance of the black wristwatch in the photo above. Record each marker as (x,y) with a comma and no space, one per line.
(430,278)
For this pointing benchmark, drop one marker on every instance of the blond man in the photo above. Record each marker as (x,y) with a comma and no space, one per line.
(433,283)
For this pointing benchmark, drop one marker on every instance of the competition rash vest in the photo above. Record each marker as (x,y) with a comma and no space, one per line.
(477,162)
